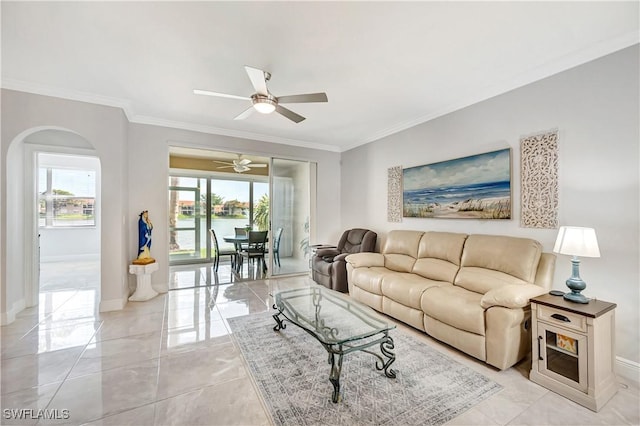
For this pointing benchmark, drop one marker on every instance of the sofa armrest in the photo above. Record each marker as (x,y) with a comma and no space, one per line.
(327,252)
(511,296)
(546,267)
(340,257)
(365,260)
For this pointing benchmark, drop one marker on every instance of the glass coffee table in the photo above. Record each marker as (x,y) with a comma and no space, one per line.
(339,324)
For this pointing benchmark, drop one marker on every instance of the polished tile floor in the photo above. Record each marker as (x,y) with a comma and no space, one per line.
(172,360)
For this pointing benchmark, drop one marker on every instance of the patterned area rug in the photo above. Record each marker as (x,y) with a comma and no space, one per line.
(291,370)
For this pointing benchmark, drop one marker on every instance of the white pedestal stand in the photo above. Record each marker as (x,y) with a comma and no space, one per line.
(144,291)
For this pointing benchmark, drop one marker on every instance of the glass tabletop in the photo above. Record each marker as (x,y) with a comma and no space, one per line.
(331,317)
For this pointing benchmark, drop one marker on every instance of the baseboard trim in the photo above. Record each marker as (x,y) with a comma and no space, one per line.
(112,304)
(10,316)
(628,369)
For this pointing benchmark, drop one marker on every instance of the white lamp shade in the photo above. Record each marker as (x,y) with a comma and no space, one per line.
(577,241)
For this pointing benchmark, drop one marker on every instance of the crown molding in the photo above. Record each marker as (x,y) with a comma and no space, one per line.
(142,119)
(132,117)
(545,70)
(74,95)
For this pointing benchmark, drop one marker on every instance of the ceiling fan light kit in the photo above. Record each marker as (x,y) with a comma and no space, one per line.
(264,104)
(263,101)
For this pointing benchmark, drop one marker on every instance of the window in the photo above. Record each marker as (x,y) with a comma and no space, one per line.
(197,204)
(66,197)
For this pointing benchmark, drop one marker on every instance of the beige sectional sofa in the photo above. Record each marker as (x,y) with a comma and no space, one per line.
(470,291)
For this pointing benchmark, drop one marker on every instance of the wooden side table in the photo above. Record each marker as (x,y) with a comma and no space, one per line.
(572,349)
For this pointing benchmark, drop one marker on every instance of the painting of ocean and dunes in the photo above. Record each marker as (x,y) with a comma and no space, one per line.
(475,187)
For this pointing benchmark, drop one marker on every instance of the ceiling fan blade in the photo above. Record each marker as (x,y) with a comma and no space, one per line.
(289,114)
(307,97)
(219,95)
(223,162)
(254,165)
(246,113)
(258,79)
(225,167)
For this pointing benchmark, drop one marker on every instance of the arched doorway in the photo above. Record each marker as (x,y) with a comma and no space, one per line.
(23,173)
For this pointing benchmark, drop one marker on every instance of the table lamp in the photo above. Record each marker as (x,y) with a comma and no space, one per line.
(576,241)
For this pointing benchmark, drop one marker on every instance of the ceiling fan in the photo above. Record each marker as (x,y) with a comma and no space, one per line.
(263,101)
(240,165)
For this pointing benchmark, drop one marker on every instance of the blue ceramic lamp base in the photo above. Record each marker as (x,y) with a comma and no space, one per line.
(576,284)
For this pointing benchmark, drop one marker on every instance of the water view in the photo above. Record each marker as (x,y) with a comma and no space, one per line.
(186,240)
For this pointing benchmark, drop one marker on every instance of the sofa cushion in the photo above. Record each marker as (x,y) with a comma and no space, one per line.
(455,306)
(399,262)
(413,317)
(365,260)
(442,245)
(435,269)
(402,242)
(491,261)
(407,289)
(439,255)
(511,296)
(481,280)
(400,250)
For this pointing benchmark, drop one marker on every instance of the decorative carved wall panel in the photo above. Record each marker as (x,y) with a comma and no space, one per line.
(539,181)
(394,194)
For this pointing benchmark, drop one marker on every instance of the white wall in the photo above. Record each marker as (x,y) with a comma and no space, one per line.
(595,108)
(149,177)
(67,244)
(135,163)
(134,169)
(105,129)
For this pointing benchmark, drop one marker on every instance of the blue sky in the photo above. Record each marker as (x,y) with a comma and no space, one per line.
(81,183)
(227,189)
(489,167)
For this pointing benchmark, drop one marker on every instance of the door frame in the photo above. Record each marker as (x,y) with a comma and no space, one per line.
(209,176)
(31,226)
(312,191)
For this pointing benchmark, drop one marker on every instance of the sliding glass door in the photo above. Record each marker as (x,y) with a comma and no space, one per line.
(197,204)
(280,203)
(291,212)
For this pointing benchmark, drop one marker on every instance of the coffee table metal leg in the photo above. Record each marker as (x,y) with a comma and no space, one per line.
(386,347)
(334,377)
(279,323)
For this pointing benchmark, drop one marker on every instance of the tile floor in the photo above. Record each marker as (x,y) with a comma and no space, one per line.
(171,360)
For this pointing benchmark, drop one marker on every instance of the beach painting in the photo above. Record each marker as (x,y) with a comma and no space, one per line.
(475,187)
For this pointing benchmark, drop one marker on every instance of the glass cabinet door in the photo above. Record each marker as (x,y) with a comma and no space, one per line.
(562,355)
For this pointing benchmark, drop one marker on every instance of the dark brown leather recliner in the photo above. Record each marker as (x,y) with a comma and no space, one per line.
(328,265)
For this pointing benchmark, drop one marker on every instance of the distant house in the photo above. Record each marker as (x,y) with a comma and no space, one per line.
(235,208)
(187,207)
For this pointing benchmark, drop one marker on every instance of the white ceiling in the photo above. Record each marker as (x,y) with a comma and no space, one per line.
(385,66)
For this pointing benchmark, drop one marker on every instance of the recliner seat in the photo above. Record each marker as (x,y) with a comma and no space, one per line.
(328,265)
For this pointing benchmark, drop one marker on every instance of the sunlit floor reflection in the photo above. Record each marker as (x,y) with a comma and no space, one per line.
(65,354)
(202,274)
(172,360)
